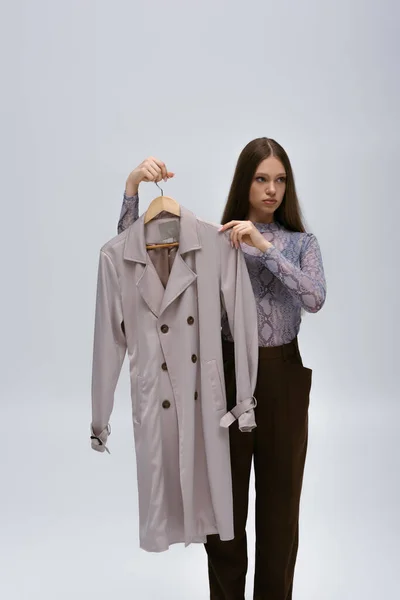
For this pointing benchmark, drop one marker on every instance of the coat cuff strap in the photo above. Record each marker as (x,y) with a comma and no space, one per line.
(239,409)
(98,442)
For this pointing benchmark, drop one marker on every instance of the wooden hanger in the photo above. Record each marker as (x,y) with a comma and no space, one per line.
(158,205)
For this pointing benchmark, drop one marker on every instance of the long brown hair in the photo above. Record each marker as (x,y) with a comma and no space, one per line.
(288,213)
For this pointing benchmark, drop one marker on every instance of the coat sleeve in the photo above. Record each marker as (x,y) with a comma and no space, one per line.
(109,349)
(239,302)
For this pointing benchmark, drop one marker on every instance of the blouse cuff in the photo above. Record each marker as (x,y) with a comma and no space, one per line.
(130,198)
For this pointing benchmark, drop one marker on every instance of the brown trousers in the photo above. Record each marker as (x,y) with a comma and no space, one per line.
(279,446)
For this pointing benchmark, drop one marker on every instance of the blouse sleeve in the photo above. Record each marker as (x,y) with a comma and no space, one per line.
(307,282)
(129,212)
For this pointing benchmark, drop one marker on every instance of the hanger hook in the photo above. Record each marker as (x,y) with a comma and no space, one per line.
(162,193)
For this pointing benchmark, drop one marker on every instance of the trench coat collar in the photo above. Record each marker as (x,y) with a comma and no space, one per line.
(149,284)
(135,243)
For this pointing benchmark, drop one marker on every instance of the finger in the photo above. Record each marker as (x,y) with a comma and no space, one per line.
(148,174)
(152,174)
(158,174)
(228,225)
(154,168)
(233,233)
(234,238)
(151,167)
(158,170)
(240,235)
(239,231)
(162,167)
(241,225)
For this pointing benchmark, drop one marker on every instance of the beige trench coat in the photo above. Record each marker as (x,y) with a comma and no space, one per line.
(164,309)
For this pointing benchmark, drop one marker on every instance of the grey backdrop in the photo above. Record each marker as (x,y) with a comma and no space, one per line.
(90,89)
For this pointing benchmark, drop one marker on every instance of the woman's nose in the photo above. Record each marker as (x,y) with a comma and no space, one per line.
(271,189)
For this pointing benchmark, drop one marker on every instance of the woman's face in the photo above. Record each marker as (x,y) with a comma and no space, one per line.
(269,184)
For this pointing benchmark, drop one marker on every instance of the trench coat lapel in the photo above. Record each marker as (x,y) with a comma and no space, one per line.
(149,284)
(150,287)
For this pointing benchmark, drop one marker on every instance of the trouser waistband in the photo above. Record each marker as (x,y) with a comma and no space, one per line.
(283,350)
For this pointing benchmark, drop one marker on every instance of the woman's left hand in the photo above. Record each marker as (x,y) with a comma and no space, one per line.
(245,231)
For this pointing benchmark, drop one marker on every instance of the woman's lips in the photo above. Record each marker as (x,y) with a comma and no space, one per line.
(269,201)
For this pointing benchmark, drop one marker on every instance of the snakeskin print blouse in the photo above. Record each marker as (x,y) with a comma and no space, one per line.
(287,278)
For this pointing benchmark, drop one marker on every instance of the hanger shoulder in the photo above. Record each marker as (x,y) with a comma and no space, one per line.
(159,204)
(157,246)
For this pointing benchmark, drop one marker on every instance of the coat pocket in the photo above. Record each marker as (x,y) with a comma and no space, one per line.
(217,390)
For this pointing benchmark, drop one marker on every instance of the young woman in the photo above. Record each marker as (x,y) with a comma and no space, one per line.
(286,270)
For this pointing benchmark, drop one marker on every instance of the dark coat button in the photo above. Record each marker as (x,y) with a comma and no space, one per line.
(190,320)
(166,404)
(196,395)
(164,366)
(164,328)
(194,358)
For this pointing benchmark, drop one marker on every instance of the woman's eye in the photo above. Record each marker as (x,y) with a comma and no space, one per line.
(282,179)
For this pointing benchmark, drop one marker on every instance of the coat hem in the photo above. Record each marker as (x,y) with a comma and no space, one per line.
(200,539)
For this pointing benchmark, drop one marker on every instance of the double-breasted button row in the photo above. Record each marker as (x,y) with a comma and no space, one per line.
(165,328)
(164,364)
(167,403)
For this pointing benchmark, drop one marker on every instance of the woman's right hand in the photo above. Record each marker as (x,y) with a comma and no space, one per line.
(151,169)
